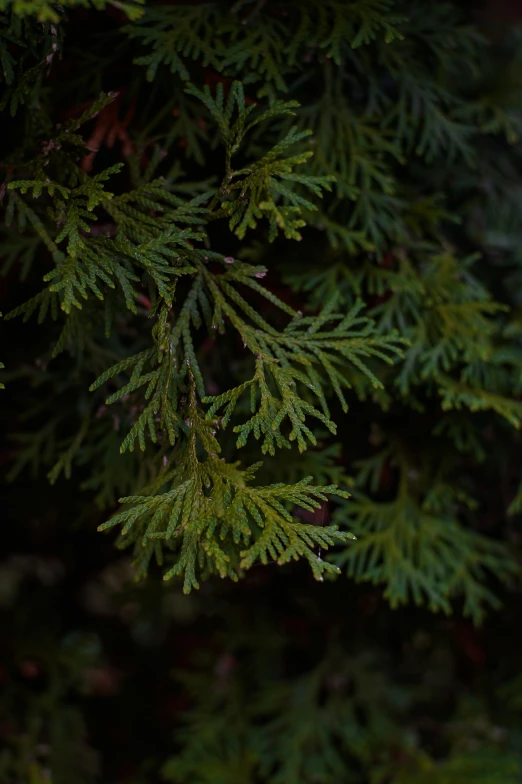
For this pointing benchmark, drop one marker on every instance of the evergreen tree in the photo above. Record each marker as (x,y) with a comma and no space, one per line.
(262,321)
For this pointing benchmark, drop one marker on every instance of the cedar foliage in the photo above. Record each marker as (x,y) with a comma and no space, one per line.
(262,306)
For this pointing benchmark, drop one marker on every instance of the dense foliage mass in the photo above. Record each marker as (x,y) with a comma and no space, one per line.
(262,321)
